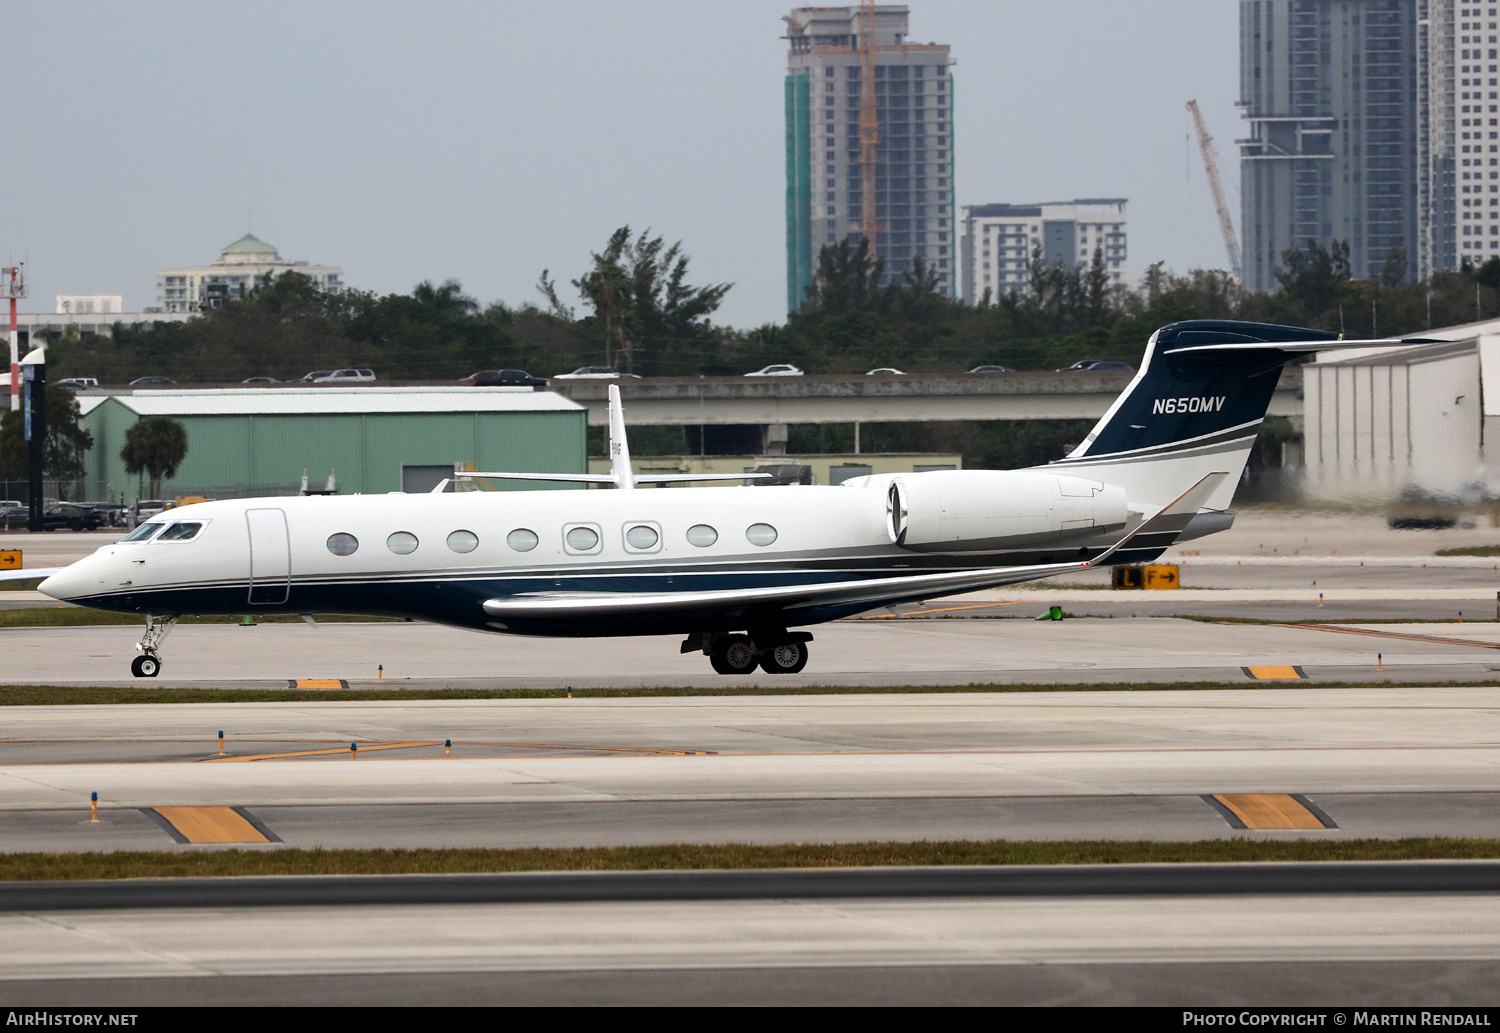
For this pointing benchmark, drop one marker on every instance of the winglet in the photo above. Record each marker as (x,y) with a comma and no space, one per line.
(1171,519)
(619,448)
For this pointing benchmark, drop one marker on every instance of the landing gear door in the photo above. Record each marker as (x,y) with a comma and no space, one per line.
(270,557)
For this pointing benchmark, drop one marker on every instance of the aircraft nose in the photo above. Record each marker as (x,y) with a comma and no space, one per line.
(67,584)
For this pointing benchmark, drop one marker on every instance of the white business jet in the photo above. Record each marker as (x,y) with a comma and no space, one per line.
(733,571)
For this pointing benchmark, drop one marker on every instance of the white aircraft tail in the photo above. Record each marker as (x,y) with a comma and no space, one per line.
(1194,408)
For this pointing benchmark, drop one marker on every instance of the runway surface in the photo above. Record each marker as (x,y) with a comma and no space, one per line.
(848,653)
(581,772)
(1275,758)
(1262,950)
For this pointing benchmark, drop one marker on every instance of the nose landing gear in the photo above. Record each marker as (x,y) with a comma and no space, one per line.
(148,664)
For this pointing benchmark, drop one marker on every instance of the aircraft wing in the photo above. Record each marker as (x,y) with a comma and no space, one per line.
(1170,520)
(686,478)
(29,573)
(574,478)
(604,478)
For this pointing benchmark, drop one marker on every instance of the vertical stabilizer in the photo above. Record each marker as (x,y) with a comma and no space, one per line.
(619,447)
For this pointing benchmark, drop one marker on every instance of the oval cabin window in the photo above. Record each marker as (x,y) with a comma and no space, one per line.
(583,539)
(522,540)
(641,537)
(760,534)
(402,543)
(463,541)
(702,535)
(342,544)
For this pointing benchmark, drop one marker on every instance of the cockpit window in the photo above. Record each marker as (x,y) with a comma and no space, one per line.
(140,534)
(183,532)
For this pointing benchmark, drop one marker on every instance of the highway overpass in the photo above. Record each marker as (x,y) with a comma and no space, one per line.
(917,397)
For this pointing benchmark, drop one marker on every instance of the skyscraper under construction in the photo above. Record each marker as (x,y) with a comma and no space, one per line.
(836,122)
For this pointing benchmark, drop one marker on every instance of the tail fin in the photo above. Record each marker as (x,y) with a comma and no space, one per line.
(1194,408)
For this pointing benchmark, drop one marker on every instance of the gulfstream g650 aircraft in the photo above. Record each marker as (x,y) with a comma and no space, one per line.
(733,571)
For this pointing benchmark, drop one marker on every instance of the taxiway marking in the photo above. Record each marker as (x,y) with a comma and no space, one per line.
(211,825)
(1270,811)
(1273,673)
(318,753)
(1438,639)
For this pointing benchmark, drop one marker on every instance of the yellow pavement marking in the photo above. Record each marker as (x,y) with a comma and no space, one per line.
(1273,673)
(320,753)
(940,609)
(317,683)
(660,751)
(1269,811)
(1440,640)
(211,825)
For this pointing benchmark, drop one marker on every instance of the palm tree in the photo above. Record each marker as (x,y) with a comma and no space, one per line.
(157,445)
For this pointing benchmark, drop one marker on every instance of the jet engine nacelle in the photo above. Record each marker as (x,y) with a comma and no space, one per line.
(997,510)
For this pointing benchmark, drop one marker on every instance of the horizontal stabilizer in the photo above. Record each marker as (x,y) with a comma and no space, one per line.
(1298,347)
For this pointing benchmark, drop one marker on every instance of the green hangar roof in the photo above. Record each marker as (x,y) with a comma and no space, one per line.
(254,441)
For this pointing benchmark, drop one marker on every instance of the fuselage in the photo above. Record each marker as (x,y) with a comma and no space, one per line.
(439,557)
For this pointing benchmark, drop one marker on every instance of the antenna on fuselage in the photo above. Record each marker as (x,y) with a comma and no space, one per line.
(619,448)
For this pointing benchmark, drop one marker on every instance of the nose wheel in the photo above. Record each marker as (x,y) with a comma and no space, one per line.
(148,664)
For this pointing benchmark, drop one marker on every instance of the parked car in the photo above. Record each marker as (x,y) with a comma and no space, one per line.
(317,374)
(1096,366)
(991,369)
(14,514)
(145,509)
(780,369)
(78,383)
(885,371)
(347,376)
(260,380)
(505,378)
(151,382)
(112,514)
(596,373)
(71,516)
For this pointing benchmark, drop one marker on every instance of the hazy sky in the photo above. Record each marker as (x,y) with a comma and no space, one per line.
(487,141)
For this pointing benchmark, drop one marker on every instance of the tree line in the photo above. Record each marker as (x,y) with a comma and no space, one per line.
(635,306)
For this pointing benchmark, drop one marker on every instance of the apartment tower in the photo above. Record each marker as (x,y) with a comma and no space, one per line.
(913,88)
(1330,89)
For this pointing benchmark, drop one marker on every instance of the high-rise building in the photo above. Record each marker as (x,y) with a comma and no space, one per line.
(998,239)
(1461,148)
(914,199)
(1330,89)
(241,267)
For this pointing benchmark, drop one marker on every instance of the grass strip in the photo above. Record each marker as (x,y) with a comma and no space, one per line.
(109,695)
(1471,550)
(36,867)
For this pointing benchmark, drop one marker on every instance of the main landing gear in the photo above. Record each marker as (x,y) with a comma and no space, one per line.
(148,664)
(742,654)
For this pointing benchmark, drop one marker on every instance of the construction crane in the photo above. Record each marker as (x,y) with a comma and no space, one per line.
(869,125)
(1211,166)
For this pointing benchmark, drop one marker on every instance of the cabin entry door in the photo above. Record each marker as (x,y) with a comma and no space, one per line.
(270,557)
